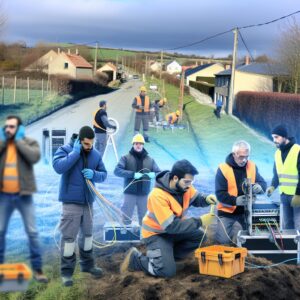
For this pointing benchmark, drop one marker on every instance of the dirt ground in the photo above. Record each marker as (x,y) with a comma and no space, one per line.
(280,282)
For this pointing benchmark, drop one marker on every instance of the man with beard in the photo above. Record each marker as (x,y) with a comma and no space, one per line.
(137,168)
(77,162)
(167,233)
(229,191)
(18,154)
(286,174)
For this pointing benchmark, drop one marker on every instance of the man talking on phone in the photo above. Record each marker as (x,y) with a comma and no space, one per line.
(77,162)
(18,154)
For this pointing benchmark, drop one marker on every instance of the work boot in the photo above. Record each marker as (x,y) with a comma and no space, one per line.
(95,272)
(128,262)
(67,280)
(146,138)
(40,277)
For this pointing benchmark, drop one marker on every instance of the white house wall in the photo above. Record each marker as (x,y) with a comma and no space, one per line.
(57,67)
(207,72)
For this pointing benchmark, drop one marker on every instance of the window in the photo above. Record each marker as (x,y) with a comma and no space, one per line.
(66,66)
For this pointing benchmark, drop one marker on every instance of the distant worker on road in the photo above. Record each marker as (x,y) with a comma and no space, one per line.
(218,109)
(101,124)
(141,104)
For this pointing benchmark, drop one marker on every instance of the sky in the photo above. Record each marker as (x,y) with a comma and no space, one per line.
(149,25)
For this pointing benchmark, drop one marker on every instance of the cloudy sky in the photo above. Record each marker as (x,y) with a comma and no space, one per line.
(149,25)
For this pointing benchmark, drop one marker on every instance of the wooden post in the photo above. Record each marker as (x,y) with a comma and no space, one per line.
(15,87)
(3,90)
(161,63)
(42,90)
(180,104)
(28,90)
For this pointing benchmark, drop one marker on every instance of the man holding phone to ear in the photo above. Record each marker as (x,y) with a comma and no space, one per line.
(77,162)
(18,154)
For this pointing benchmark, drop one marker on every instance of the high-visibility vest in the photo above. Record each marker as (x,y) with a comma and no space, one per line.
(163,208)
(146,104)
(228,173)
(287,172)
(95,124)
(174,118)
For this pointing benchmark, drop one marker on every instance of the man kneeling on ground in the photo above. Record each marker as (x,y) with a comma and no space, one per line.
(168,235)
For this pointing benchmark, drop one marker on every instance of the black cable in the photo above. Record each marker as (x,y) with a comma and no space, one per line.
(246,46)
(224,32)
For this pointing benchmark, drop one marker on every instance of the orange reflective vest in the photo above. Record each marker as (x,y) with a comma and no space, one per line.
(146,104)
(227,172)
(163,208)
(174,118)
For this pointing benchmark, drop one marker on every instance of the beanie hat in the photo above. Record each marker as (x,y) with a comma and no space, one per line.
(86,132)
(102,103)
(280,130)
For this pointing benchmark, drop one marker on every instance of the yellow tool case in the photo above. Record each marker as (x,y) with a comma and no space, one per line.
(221,261)
(14,277)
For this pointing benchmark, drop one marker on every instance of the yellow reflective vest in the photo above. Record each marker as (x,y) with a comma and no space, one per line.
(287,172)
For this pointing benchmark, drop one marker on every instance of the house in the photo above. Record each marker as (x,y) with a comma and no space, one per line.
(71,65)
(110,69)
(204,73)
(257,77)
(42,63)
(174,67)
(155,66)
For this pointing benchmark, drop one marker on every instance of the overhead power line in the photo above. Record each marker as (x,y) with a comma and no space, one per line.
(224,32)
(246,46)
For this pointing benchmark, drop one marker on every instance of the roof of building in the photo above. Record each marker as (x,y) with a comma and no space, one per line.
(197,69)
(173,62)
(270,69)
(78,61)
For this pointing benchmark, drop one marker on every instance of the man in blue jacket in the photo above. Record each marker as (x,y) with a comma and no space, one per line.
(77,162)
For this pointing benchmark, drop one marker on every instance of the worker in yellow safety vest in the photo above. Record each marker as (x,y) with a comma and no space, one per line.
(173,117)
(167,232)
(142,104)
(286,174)
(230,192)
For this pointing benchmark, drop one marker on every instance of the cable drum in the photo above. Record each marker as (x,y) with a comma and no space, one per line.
(114,122)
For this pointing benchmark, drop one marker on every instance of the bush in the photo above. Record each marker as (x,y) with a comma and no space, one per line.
(264,111)
(203,87)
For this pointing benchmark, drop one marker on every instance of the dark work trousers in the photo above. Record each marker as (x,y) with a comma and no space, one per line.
(164,249)
(76,218)
(141,118)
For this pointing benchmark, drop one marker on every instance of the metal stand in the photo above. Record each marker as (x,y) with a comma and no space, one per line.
(110,137)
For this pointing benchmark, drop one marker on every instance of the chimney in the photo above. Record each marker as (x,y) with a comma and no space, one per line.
(227,67)
(58,50)
(247,60)
(77,53)
(69,51)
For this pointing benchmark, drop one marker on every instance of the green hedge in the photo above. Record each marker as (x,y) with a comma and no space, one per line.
(203,87)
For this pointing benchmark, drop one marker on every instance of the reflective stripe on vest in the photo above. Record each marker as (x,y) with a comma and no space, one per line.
(287,172)
(169,209)
(146,104)
(228,173)
(95,123)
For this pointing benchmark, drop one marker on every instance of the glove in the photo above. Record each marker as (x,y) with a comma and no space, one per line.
(138,175)
(295,201)
(257,189)
(151,175)
(270,191)
(2,135)
(211,199)
(88,173)
(77,146)
(20,133)
(241,200)
(207,219)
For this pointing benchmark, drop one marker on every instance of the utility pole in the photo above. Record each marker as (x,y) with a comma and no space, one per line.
(146,65)
(135,64)
(180,104)
(234,55)
(161,63)
(96,57)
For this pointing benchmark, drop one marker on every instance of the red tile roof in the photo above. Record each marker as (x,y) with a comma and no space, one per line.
(78,61)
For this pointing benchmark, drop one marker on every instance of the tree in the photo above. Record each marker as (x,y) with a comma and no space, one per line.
(289,52)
